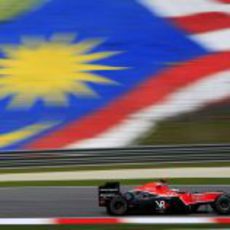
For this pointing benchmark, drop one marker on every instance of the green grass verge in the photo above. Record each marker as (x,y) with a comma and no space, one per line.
(184,181)
(114,166)
(209,125)
(193,132)
(12,8)
(115,227)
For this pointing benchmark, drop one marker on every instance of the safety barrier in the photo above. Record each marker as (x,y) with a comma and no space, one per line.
(154,154)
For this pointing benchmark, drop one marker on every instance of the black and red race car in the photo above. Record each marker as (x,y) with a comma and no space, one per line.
(158,197)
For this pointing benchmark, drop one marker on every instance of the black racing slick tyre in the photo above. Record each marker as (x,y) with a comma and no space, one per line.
(194,208)
(118,206)
(222,205)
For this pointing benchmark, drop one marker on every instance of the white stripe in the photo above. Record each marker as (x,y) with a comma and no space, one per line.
(167,220)
(176,8)
(214,41)
(118,174)
(26,221)
(188,99)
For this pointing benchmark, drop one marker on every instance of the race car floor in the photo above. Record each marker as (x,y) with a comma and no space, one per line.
(19,202)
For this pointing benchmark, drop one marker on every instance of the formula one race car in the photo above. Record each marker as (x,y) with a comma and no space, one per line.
(158,198)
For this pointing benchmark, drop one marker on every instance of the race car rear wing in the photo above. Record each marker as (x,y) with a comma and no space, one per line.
(107,191)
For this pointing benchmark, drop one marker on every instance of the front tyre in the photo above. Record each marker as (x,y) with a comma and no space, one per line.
(118,206)
(222,205)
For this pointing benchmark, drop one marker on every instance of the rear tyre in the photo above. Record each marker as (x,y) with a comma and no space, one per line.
(222,205)
(194,208)
(118,206)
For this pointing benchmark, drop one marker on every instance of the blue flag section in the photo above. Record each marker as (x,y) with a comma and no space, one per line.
(66,59)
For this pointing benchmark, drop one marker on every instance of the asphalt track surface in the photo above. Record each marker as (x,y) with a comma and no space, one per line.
(19,202)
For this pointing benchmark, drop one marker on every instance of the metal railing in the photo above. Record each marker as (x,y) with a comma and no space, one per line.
(150,154)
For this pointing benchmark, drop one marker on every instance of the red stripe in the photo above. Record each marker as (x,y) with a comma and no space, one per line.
(152,91)
(224,1)
(222,220)
(86,221)
(203,22)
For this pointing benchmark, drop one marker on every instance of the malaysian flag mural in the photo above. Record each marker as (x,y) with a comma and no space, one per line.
(106,73)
